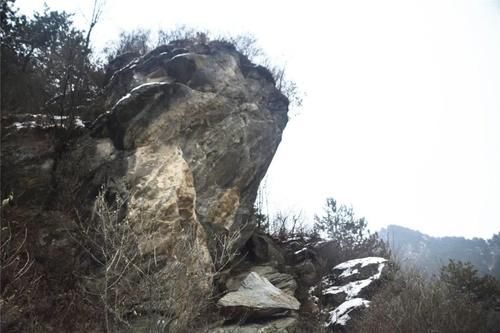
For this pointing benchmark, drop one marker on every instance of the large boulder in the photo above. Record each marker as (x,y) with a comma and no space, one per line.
(189,136)
(257,297)
(223,116)
(184,139)
(283,281)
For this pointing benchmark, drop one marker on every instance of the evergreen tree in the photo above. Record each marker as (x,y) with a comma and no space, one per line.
(350,233)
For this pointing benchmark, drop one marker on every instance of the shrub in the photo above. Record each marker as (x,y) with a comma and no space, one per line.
(19,281)
(286,226)
(462,278)
(412,302)
(140,293)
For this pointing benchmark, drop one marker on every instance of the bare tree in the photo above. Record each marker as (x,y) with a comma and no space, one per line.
(97,10)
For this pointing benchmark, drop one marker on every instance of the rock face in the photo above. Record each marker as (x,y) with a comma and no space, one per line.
(189,133)
(258,297)
(221,114)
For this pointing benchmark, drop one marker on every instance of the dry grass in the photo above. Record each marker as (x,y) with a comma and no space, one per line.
(412,303)
(101,282)
(17,276)
(153,293)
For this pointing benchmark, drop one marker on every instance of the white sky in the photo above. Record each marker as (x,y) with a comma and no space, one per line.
(402,113)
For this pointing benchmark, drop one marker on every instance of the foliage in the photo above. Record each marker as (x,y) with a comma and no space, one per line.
(462,278)
(47,62)
(349,233)
(137,292)
(18,278)
(136,41)
(413,304)
(225,248)
(458,301)
(494,243)
(182,33)
(283,226)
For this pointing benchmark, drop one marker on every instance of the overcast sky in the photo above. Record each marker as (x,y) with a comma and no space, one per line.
(401,116)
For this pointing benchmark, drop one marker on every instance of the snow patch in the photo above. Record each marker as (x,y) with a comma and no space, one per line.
(46,121)
(348,272)
(79,122)
(24,124)
(121,100)
(340,315)
(139,87)
(352,289)
(180,55)
(301,250)
(136,89)
(361,261)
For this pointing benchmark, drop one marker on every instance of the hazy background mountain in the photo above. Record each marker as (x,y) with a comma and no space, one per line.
(413,248)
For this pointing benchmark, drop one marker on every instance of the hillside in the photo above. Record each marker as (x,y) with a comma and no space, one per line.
(428,253)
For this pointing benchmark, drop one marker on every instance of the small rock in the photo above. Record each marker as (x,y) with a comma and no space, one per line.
(281,325)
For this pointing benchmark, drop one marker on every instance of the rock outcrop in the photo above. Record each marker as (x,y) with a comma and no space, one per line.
(139,217)
(188,133)
(346,288)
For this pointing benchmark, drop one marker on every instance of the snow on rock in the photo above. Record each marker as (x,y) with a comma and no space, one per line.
(44,121)
(79,122)
(348,272)
(147,84)
(352,289)
(362,261)
(351,269)
(301,251)
(137,90)
(356,267)
(340,315)
(24,124)
(345,288)
(123,99)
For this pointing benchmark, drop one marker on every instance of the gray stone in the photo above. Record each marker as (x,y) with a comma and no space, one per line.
(283,281)
(265,249)
(281,325)
(258,295)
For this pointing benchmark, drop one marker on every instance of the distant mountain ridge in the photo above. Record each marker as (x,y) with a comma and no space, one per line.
(413,248)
